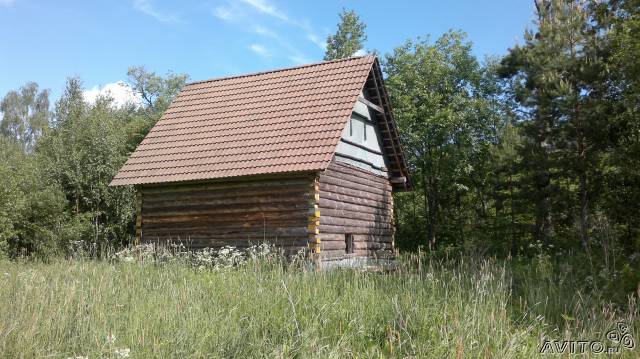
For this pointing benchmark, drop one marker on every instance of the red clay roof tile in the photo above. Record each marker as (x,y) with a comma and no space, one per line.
(278,121)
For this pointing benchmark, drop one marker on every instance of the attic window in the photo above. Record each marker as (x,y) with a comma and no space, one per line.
(348,242)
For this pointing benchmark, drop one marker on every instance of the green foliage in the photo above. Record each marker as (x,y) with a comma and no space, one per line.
(445,105)
(348,39)
(534,154)
(554,78)
(82,154)
(573,83)
(56,195)
(156,91)
(32,215)
(620,102)
(25,115)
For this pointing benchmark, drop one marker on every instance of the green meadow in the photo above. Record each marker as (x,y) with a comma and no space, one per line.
(426,307)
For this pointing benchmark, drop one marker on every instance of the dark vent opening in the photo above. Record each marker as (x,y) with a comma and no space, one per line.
(348,241)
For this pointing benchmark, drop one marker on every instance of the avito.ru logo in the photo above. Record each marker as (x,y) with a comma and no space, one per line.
(620,338)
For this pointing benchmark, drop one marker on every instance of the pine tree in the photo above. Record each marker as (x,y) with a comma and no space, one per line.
(619,25)
(553,81)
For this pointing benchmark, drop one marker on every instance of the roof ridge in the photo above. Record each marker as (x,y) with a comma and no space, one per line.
(278,70)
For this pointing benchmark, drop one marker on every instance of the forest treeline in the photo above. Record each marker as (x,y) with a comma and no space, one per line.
(538,150)
(57,163)
(534,152)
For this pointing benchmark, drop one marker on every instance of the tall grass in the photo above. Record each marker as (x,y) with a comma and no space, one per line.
(458,308)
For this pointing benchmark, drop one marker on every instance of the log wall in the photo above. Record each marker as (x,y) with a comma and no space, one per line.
(238,212)
(358,202)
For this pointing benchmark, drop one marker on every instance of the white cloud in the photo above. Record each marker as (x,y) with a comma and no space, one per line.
(120,91)
(264,7)
(226,13)
(268,33)
(259,49)
(299,59)
(233,12)
(317,40)
(146,7)
(261,30)
(7,3)
(360,52)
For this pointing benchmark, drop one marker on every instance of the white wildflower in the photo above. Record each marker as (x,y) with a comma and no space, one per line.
(122,352)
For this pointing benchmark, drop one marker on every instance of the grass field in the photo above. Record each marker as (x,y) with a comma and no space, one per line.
(456,308)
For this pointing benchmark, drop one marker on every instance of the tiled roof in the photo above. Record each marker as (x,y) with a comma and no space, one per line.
(279,121)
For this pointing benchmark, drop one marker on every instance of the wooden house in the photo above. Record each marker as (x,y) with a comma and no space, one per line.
(304,158)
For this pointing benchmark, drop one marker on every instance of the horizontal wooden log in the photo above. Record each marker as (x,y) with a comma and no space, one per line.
(330,237)
(267,211)
(227,184)
(213,222)
(355,200)
(354,230)
(225,194)
(354,174)
(268,218)
(284,228)
(354,170)
(377,189)
(230,186)
(240,231)
(326,203)
(338,221)
(228,209)
(247,201)
(377,217)
(355,192)
(373,238)
(351,182)
(333,245)
(372,245)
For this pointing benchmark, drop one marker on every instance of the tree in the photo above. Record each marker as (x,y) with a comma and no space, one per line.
(554,81)
(157,92)
(25,115)
(445,105)
(618,24)
(349,38)
(33,221)
(82,154)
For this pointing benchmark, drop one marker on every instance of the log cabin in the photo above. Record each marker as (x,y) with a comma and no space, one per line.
(305,158)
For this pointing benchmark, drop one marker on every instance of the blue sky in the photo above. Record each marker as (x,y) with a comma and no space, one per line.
(47,41)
